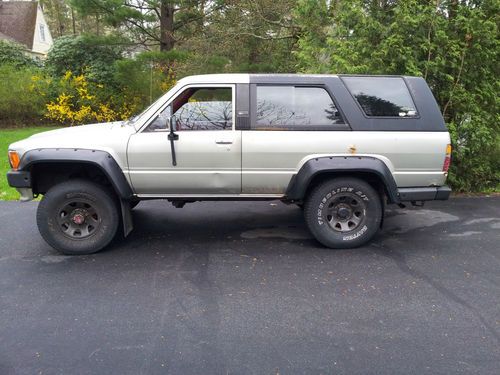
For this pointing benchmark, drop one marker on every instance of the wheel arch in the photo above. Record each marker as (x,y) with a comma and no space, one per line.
(370,169)
(50,166)
(47,167)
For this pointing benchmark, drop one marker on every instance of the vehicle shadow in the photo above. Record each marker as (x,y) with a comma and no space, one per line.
(258,225)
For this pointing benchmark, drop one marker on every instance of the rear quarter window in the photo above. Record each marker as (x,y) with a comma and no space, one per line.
(295,108)
(382,96)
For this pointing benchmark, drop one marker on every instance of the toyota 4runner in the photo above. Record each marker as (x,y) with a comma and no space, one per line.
(339,146)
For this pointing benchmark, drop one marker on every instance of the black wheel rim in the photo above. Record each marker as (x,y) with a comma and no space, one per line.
(78,219)
(345,212)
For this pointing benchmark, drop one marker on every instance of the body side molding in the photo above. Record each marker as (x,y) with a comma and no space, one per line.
(299,183)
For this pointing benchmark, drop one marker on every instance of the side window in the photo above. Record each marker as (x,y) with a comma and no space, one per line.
(204,108)
(295,107)
(382,96)
(198,108)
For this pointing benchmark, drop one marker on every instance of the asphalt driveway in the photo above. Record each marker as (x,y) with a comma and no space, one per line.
(242,288)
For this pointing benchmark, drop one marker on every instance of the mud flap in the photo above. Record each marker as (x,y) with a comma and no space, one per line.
(128,225)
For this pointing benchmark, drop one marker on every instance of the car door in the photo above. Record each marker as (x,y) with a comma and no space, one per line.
(208,148)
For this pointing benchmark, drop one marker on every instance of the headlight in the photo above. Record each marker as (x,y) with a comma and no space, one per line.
(14,159)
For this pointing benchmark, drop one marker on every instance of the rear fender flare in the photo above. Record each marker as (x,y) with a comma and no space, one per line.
(314,167)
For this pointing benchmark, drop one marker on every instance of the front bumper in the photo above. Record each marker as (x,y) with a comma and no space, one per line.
(21,180)
(440,193)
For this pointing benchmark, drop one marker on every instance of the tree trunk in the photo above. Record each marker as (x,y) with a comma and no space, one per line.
(167,40)
(73,21)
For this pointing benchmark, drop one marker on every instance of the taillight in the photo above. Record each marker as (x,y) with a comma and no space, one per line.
(447,159)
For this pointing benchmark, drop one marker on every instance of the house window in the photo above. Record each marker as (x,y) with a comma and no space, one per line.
(42,32)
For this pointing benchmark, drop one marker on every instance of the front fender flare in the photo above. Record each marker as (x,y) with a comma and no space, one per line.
(103,160)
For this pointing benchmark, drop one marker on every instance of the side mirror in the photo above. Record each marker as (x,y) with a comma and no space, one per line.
(173,137)
(172,122)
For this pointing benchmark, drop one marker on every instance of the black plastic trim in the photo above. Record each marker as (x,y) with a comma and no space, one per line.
(443,193)
(101,159)
(242,106)
(298,185)
(19,179)
(440,193)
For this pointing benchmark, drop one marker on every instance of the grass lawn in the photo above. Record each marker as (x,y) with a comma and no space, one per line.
(8,136)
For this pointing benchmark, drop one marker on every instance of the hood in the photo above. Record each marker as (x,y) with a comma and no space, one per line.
(82,129)
(111,137)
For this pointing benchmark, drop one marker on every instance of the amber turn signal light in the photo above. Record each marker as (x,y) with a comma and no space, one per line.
(14,159)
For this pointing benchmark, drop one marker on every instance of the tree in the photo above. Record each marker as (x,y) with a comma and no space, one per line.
(60,17)
(245,36)
(150,22)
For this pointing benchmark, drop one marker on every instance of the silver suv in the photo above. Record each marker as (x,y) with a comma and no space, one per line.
(339,146)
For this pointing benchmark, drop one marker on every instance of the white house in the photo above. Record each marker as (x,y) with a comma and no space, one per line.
(24,23)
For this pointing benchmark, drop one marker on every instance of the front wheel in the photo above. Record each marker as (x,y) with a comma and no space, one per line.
(343,212)
(78,217)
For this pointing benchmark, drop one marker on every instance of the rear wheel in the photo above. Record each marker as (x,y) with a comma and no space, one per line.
(343,212)
(78,217)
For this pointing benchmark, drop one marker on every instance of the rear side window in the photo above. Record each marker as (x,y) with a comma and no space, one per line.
(382,96)
(295,107)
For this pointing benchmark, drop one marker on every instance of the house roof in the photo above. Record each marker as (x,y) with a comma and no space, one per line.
(18,21)
(6,37)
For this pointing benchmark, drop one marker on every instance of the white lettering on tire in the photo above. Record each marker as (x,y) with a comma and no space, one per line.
(355,235)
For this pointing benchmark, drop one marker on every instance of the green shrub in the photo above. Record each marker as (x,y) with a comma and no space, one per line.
(14,54)
(146,77)
(20,101)
(91,55)
(475,162)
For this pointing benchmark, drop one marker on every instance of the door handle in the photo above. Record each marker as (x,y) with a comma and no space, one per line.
(224,142)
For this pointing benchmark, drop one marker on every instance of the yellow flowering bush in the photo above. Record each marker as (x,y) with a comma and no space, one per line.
(82,102)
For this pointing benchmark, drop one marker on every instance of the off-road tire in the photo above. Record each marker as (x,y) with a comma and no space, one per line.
(343,212)
(94,204)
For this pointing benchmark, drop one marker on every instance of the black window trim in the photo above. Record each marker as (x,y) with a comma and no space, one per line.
(380,76)
(333,127)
